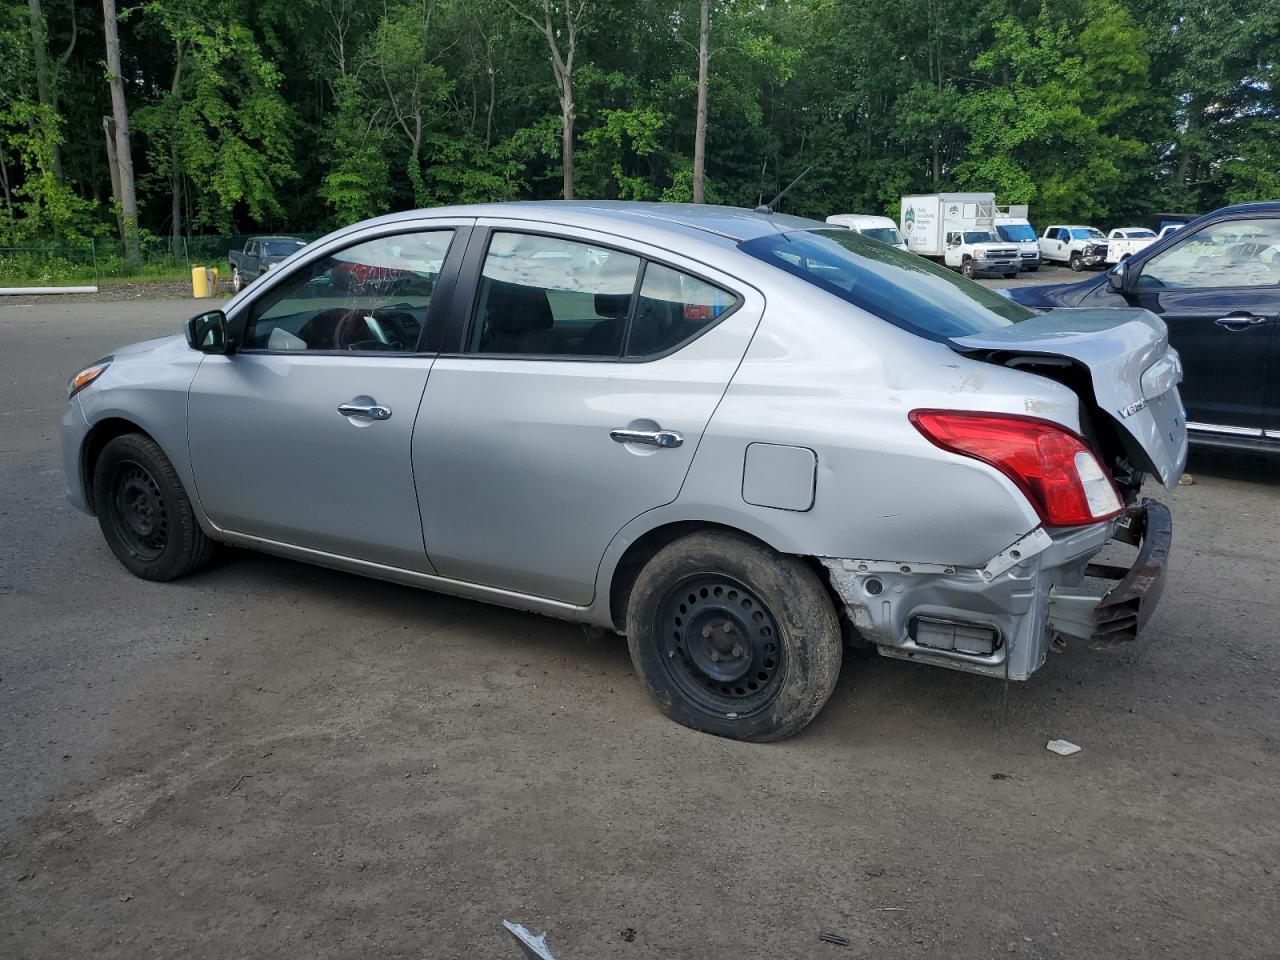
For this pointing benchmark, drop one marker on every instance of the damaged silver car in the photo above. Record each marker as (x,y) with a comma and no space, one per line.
(739,438)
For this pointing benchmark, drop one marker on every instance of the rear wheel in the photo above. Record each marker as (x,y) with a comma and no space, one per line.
(144,511)
(1076,263)
(732,638)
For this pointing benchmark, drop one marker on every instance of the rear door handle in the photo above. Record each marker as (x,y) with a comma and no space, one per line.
(653,438)
(359,408)
(1240,321)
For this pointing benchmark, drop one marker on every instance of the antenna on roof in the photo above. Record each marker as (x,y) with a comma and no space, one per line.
(772,205)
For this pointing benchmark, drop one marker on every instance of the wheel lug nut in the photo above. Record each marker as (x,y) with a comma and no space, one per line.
(728,627)
(715,657)
(737,650)
(706,632)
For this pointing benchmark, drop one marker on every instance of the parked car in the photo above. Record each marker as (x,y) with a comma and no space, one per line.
(1124,242)
(877,228)
(259,255)
(734,437)
(1216,284)
(1076,246)
(1169,228)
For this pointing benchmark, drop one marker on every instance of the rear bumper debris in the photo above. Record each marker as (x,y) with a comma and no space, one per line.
(999,620)
(1115,617)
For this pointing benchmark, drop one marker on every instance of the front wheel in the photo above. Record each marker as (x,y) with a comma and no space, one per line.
(144,512)
(1076,263)
(966,268)
(237,281)
(732,638)
(1010,276)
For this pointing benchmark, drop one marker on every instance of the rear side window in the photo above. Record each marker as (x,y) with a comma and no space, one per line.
(673,308)
(904,289)
(550,297)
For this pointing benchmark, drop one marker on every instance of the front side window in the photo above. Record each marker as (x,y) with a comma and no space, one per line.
(1237,253)
(369,297)
(899,287)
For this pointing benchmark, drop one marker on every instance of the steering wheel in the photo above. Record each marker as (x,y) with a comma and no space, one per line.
(349,330)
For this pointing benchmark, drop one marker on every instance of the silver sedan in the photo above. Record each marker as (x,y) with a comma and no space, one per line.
(743,440)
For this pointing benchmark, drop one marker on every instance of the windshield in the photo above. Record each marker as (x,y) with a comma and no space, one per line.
(1016,232)
(281,248)
(889,235)
(979,236)
(906,290)
(1087,233)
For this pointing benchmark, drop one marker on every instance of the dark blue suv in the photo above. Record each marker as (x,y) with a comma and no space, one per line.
(1216,284)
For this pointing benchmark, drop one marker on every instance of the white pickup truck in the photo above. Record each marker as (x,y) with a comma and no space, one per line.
(980,253)
(1123,242)
(1074,245)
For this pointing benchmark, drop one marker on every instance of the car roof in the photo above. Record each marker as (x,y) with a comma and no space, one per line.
(860,219)
(277,237)
(619,216)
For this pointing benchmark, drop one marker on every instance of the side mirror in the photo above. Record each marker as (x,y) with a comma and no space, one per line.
(207,332)
(1122,280)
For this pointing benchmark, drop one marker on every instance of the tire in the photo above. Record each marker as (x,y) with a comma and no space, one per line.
(237,281)
(1035,269)
(733,639)
(1075,263)
(966,268)
(1010,276)
(144,512)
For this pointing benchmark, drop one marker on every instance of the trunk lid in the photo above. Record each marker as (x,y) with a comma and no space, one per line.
(1133,374)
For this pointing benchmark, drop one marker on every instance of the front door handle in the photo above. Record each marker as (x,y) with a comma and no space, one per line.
(359,408)
(653,438)
(1240,321)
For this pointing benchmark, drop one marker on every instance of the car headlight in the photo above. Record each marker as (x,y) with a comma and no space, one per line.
(83,378)
(979,254)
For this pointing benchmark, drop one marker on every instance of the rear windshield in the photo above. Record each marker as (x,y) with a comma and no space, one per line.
(883,234)
(906,290)
(276,248)
(1016,232)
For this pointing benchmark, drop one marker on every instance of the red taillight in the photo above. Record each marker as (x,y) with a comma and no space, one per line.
(1053,466)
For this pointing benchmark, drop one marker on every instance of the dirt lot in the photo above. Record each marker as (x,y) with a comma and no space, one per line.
(271,759)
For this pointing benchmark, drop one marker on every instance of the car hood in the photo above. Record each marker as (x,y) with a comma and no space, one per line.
(1045,296)
(148,346)
(1133,372)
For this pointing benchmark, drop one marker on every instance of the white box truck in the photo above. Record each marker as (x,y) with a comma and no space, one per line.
(959,230)
(1012,226)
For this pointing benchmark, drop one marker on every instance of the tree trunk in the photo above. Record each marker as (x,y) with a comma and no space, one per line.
(44,80)
(124,157)
(566,144)
(175,166)
(109,128)
(700,132)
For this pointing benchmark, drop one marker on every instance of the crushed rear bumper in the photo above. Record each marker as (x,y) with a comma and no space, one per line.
(1116,617)
(1000,620)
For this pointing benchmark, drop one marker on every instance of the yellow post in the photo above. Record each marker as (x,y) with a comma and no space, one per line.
(199,282)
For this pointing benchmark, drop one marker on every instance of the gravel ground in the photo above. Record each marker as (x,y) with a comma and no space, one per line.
(275,760)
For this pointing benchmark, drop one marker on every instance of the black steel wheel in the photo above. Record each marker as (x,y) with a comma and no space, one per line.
(722,648)
(144,512)
(137,510)
(733,638)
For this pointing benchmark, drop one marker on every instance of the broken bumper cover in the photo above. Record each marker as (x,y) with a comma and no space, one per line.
(1116,617)
(999,620)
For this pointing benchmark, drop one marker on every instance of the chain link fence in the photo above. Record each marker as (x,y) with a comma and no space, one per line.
(98,260)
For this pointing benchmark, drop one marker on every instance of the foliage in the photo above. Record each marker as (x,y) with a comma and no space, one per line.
(308,114)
